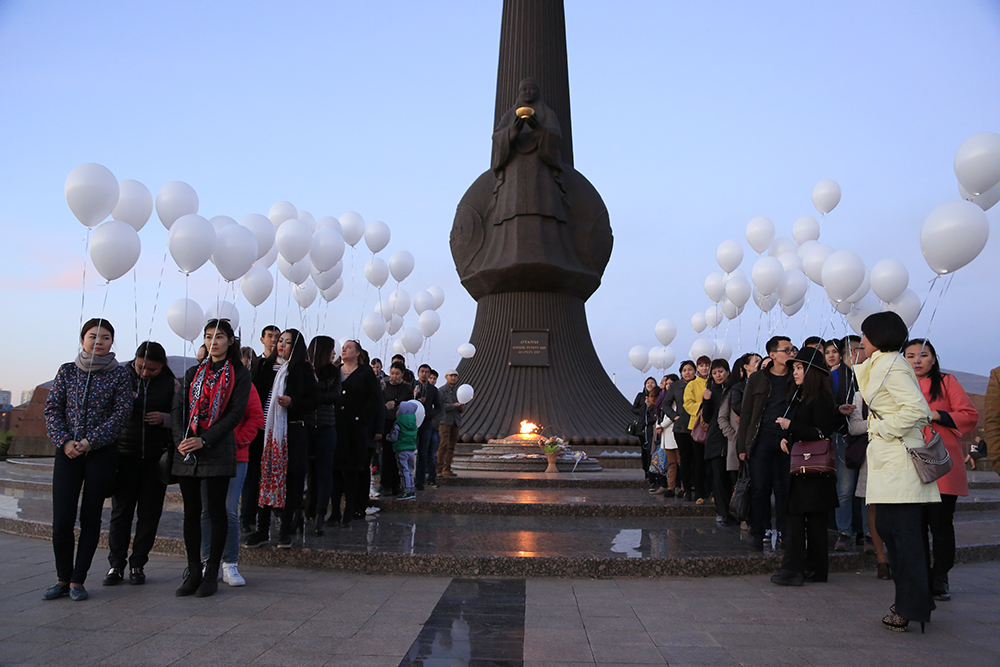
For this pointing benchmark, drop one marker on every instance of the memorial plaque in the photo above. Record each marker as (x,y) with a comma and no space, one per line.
(529,348)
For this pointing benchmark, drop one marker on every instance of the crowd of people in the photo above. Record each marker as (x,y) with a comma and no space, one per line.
(301,432)
(827,430)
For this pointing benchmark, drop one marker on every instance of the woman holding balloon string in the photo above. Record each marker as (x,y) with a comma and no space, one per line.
(206,412)
(644,407)
(87,408)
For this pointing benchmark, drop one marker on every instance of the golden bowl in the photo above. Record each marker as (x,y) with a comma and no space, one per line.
(525,112)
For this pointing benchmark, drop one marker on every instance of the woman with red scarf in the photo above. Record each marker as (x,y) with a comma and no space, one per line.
(206,412)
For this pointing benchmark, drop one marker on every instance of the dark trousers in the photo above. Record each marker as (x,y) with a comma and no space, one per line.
(698,469)
(901,527)
(769,472)
(138,492)
(95,473)
(217,489)
(322,446)
(389,472)
(345,484)
(684,447)
(722,482)
(364,483)
(251,485)
(940,518)
(426,455)
(805,543)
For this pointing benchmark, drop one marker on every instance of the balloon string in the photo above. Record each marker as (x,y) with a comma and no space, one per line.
(156,299)
(90,370)
(274,290)
(83,282)
(944,290)
(135,303)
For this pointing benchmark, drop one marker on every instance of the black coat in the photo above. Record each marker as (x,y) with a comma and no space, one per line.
(300,386)
(360,392)
(397,393)
(716,442)
(810,421)
(672,406)
(218,457)
(327,397)
(139,439)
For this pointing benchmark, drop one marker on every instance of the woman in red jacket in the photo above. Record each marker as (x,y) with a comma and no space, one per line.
(953,416)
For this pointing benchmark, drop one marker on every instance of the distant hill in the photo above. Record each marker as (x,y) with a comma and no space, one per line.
(972,383)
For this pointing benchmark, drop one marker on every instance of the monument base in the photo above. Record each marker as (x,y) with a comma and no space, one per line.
(535,361)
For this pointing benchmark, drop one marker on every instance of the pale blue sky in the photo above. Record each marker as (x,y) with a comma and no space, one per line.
(689,118)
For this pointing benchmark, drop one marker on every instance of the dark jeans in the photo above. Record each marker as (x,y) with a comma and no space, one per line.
(295,476)
(138,492)
(684,447)
(95,472)
(940,519)
(768,472)
(322,446)
(426,455)
(805,543)
(251,485)
(722,482)
(698,469)
(901,527)
(389,472)
(345,483)
(217,488)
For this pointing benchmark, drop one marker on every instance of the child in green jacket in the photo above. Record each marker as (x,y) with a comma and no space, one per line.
(405,446)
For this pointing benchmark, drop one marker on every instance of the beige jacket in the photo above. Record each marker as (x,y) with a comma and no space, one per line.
(891,390)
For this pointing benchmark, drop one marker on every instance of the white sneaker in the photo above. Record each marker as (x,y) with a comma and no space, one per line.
(372,510)
(231,575)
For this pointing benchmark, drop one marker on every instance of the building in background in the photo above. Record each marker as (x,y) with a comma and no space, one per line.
(26,396)
(5,397)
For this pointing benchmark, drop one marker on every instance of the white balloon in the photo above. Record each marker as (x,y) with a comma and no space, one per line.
(698,322)
(466,350)
(373,325)
(781,246)
(268,260)
(305,294)
(953,235)
(175,200)
(376,271)
(191,241)
(262,230)
(352,226)
(296,273)
(221,221)
(377,235)
(384,308)
(114,249)
(723,350)
(325,279)
(465,393)
(645,369)
(813,261)
(656,357)
(394,325)
(729,255)
(235,251)
(767,273)
(760,233)
(401,265)
(91,192)
(862,291)
(826,196)
(806,247)
(638,357)
(423,301)
(861,310)
(223,310)
(328,221)
(333,292)
(793,308)
(307,217)
(412,340)
(665,331)
(730,309)
(257,284)
(400,302)
(986,200)
(715,286)
(280,212)
(977,162)
(429,322)
(890,278)
(765,303)
(135,204)
(438,295)
(790,260)
(397,346)
(702,347)
(907,306)
(843,307)
(843,273)
(805,229)
(738,291)
(186,318)
(793,287)
(713,316)
(668,357)
(327,248)
(293,239)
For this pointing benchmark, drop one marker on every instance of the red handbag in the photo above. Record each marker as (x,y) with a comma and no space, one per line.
(812,457)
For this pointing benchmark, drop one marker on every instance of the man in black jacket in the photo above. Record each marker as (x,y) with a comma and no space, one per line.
(839,358)
(427,394)
(759,439)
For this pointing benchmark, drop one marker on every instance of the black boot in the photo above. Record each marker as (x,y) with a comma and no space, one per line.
(192,580)
(320,526)
(788,578)
(939,588)
(210,582)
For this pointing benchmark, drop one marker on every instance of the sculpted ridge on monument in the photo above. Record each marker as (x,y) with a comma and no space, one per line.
(532,222)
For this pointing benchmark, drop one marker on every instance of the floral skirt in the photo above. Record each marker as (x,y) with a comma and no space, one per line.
(273,471)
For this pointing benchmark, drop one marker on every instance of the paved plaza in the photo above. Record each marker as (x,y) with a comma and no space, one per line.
(288,616)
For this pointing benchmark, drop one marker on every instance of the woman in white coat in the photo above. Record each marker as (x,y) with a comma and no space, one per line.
(898,414)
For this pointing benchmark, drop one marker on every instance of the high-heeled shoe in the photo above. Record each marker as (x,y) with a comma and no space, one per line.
(883,571)
(897,623)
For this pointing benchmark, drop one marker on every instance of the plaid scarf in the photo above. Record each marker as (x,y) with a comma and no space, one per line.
(209,394)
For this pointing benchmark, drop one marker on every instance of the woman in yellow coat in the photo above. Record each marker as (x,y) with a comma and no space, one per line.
(898,414)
